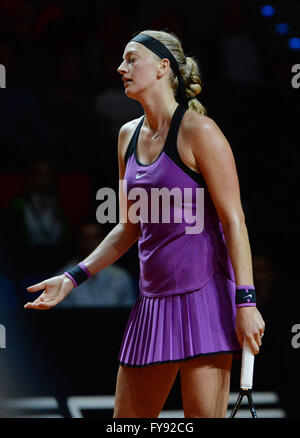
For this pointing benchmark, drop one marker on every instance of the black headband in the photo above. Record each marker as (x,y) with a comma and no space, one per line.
(160,50)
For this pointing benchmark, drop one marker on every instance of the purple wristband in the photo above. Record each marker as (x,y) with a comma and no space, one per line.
(71,278)
(85,269)
(246,305)
(245,287)
(245,296)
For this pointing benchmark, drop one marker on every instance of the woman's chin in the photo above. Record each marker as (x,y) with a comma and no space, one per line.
(130,94)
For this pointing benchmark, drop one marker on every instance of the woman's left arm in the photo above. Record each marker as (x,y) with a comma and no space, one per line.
(216,163)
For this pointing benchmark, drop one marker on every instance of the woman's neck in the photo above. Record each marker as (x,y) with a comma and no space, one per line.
(159,113)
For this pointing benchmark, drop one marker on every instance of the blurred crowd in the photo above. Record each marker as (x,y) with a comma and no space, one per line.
(63,106)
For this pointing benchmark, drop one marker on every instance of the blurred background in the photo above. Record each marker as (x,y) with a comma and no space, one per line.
(59,119)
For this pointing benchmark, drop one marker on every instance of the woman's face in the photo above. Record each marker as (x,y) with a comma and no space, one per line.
(138,69)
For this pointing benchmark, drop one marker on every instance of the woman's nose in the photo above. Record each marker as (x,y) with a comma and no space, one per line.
(122,67)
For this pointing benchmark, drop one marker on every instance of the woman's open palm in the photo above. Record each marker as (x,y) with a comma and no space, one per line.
(55,290)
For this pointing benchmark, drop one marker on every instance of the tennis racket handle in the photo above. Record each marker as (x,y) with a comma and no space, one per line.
(247,367)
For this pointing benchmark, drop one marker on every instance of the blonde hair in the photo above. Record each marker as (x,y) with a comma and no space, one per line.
(188,67)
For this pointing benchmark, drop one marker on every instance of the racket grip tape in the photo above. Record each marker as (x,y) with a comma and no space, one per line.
(246,380)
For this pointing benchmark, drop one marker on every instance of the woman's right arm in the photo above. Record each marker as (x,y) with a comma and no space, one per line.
(115,244)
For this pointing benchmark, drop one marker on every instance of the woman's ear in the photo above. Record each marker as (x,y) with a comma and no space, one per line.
(163,68)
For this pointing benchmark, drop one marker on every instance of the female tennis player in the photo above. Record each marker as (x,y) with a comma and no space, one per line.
(197,297)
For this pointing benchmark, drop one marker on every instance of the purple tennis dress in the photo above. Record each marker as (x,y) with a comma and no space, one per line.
(186,306)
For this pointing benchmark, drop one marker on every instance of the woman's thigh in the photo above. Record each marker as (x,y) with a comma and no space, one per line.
(205,384)
(142,392)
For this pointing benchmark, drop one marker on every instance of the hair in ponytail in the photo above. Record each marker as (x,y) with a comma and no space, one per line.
(188,67)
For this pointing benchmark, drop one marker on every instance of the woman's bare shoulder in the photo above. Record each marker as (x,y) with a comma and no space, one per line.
(193,122)
(203,135)
(129,127)
(125,133)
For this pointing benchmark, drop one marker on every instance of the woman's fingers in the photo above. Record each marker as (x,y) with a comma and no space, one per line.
(262,330)
(54,292)
(42,302)
(250,326)
(35,304)
(38,306)
(39,302)
(36,287)
(254,343)
(257,338)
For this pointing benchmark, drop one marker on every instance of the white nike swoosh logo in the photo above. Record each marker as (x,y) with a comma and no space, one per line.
(139,175)
(246,296)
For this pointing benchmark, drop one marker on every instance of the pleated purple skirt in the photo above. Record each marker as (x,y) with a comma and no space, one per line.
(184,326)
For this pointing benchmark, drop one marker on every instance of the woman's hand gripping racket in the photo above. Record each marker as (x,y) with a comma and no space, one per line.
(246,381)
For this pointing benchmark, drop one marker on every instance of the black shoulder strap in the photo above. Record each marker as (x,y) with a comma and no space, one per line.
(133,141)
(171,146)
(171,142)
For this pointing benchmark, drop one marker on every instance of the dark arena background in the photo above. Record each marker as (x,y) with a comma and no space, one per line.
(61,106)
